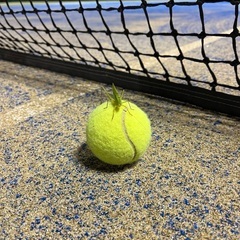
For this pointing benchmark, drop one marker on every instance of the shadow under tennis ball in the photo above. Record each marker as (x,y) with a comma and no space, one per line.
(85,156)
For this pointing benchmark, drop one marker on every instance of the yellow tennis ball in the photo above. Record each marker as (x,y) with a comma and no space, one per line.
(118,132)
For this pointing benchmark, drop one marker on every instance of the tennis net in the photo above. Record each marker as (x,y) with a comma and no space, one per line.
(184,50)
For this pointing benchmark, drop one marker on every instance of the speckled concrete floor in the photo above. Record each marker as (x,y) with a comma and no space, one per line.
(186,186)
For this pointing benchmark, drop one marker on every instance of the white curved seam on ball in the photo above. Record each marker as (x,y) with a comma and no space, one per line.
(126,134)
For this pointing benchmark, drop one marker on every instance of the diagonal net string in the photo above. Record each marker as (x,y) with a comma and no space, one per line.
(234,35)
(202,36)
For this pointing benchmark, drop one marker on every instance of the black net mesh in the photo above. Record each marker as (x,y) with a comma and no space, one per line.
(192,43)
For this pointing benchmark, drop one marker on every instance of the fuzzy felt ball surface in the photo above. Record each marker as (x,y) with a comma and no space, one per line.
(118,135)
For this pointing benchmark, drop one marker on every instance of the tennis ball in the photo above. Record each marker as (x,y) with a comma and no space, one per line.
(118,131)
